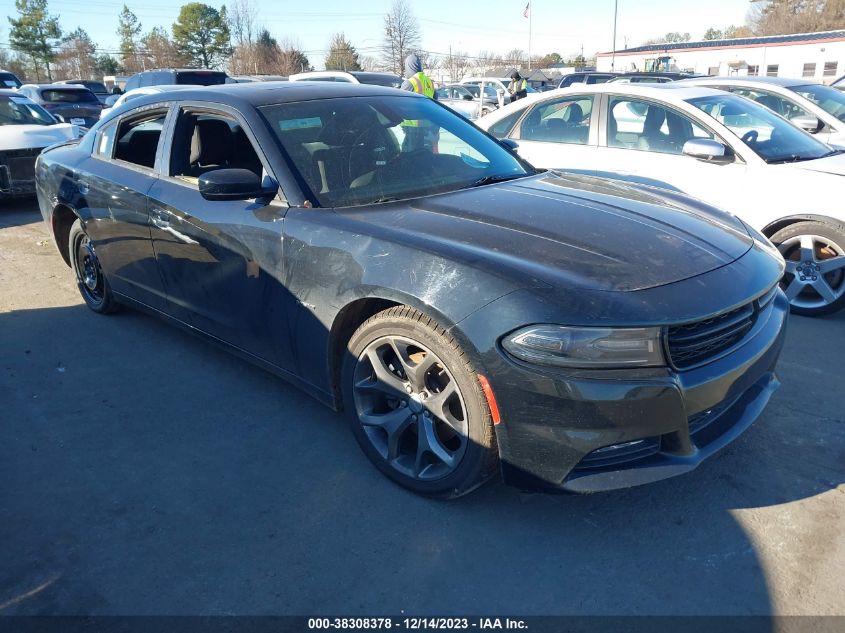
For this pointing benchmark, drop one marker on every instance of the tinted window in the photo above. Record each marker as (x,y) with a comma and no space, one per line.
(22,111)
(68,96)
(94,86)
(768,135)
(784,107)
(636,124)
(599,79)
(8,80)
(828,99)
(133,82)
(376,79)
(366,150)
(199,78)
(137,140)
(564,120)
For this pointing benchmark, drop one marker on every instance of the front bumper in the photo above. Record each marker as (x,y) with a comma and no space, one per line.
(594,431)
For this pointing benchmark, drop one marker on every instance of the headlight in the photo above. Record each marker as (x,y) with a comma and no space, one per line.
(587,347)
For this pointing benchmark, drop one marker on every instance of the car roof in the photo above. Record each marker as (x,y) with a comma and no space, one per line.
(56,86)
(275,92)
(669,91)
(11,93)
(775,81)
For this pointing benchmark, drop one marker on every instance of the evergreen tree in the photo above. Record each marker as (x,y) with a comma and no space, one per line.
(34,34)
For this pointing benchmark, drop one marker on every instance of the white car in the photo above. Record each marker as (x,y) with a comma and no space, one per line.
(140,92)
(812,106)
(499,84)
(25,129)
(460,100)
(388,80)
(721,148)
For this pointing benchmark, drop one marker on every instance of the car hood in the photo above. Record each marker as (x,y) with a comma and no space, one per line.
(575,232)
(34,136)
(829,165)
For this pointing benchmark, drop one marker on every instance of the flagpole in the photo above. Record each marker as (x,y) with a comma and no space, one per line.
(613,54)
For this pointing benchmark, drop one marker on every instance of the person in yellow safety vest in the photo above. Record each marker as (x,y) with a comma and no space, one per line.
(519,86)
(418,134)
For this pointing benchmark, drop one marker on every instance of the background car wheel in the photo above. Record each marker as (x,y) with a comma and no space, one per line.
(89,276)
(814,281)
(415,405)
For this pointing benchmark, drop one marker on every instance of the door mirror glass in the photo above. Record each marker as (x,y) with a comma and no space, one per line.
(706,149)
(808,123)
(509,144)
(232,184)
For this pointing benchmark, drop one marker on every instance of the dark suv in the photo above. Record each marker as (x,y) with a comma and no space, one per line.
(173,76)
(9,80)
(67,102)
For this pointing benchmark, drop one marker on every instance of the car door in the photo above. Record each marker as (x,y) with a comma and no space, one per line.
(642,140)
(559,134)
(221,261)
(115,181)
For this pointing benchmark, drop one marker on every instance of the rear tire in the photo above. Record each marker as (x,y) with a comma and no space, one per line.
(814,281)
(415,405)
(90,280)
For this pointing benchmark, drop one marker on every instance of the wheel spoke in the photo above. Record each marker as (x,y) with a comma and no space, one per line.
(393,423)
(385,380)
(794,288)
(429,444)
(831,265)
(821,286)
(808,252)
(791,266)
(438,404)
(416,372)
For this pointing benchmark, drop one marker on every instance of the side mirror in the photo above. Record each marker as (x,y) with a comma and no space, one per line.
(468,98)
(808,123)
(232,184)
(509,144)
(707,149)
(59,118)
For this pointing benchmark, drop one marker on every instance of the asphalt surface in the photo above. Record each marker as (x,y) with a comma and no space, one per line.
(143,471)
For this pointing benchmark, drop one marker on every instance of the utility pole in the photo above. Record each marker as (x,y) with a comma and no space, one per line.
(613,55)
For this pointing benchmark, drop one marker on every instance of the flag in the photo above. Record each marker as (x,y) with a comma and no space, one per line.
(527,9)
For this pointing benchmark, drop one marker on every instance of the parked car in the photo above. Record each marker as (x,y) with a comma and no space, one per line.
(97,87)
(244,79)
(650,78)
(586,77)
(812,106)
(491,96)
(460,99)
(722,148)
(140,92)
(460,308)
(172,76)
(839,84)
(25,129)
(499,84)
(68,103)
(388,80)
(9,80)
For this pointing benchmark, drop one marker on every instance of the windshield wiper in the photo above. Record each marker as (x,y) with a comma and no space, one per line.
(489,180)
(794,158)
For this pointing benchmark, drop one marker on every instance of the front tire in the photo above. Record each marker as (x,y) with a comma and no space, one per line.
(814,281)
(90,280)
(415,405)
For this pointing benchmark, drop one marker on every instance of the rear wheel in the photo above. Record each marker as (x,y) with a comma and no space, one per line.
(92,283)
(814,281)
(415,405)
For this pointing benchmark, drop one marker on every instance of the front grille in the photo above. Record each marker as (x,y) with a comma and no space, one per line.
(20,163)
(695,343)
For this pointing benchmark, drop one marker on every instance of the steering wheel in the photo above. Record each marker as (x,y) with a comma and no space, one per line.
(750,136)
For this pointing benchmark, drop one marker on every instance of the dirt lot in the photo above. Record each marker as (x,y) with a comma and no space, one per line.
(145,472)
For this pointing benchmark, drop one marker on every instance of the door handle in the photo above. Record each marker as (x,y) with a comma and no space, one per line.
(160,218)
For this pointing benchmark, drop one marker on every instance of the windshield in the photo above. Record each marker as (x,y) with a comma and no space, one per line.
(376,79)
(771,137)
(22,111)
(200,78)
(68,96)
(364,150)
(828,99)
(96,87)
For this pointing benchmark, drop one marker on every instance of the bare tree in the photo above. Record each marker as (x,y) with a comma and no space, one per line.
(401,35)
(515,57)
(292,58)
(76,57)
(242,21)
(778,17)
(487,60)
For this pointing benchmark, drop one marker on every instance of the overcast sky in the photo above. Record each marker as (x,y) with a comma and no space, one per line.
(561,26)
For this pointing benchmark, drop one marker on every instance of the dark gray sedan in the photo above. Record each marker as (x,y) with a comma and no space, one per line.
(467,313)
(69,103)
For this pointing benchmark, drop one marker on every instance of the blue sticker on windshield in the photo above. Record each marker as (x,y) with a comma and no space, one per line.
(300,124)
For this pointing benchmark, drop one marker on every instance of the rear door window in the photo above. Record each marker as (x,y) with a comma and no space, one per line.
(564,120)
(138,139)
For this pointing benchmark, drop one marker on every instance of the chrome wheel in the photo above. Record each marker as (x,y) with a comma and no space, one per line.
(410,408)
(815,271)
